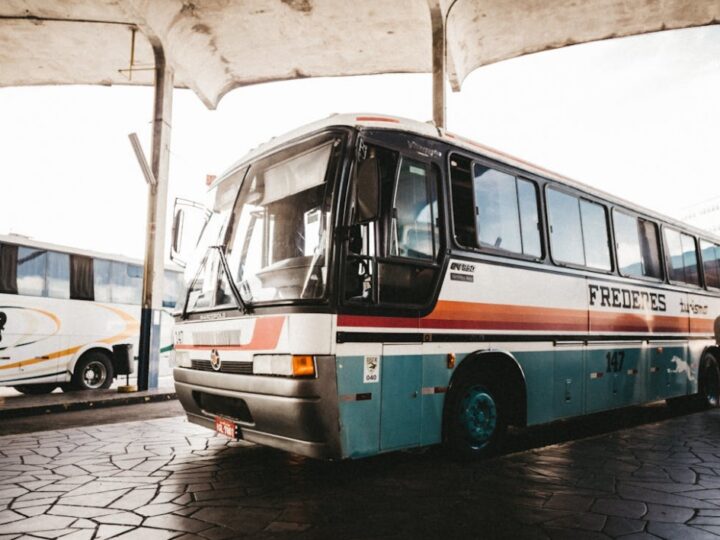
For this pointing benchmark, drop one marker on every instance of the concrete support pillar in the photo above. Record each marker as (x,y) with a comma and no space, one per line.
(438,62)
(148,354)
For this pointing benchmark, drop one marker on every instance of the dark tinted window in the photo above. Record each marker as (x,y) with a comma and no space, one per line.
(81,277)
(711,263)
(681,257)
(638,246)
(8,268)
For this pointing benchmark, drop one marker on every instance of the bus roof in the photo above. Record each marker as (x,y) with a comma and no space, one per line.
(429,130)
(20,240)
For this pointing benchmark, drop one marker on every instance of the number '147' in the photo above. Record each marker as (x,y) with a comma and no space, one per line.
(615,361)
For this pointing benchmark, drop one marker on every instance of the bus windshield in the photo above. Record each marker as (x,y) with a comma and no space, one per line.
(274,236)
(277,245)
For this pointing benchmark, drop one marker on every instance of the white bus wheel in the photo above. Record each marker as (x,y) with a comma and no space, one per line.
(35,389)
(93,371)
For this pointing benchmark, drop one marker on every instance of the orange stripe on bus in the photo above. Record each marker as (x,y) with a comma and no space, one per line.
(266,335)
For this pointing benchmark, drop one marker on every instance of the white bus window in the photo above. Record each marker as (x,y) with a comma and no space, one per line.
(595,235)
(58,275)
(126,283)
(681,257)
(172,286)
(498,221)
(31,269)
(101,280)
(638,247)
(565,229)
(711,263)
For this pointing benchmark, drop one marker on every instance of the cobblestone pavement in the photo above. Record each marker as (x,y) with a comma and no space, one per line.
(163,479)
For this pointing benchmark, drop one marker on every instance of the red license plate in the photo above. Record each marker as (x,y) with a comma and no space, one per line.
(226,427)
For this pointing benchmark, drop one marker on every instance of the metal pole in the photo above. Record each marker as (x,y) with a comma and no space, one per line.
(438,62)
(148,354)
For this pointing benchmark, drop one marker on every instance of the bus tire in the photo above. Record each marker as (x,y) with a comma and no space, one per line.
(709,388)
(35,389)
(94,371)
(475,418)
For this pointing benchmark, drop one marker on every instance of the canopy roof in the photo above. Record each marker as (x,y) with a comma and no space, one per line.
(217,45)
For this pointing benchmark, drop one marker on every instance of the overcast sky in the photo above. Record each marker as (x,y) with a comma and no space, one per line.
(638,117)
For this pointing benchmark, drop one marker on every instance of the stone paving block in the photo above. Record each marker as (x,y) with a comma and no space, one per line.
(668,514)
(619,507)
(674,531)
(569,502)
(619,526)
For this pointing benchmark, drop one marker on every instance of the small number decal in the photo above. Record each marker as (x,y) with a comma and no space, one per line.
(615,361)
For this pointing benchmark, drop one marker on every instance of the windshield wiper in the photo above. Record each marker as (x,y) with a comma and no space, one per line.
(242,306)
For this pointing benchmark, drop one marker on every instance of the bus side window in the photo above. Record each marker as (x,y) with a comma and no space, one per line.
(81,277)
(8,269)
(711,263)
(126,283)
(31,270)
(171,288)
(681,257)
(101,280)
(638,249)
(58,275)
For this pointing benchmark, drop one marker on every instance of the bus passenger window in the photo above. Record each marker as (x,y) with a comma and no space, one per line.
(681,257)
(126,283)
(81,278)
(711,263)
(8,268)
(462,201)
(58,275)
(498,220)
(565,230)
(578,231)
(171,288)
(638,247)
(595,235)
(31,269)
(101,280)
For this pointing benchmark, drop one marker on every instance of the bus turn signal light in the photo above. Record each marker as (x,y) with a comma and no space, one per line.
(451,360)
(303,366)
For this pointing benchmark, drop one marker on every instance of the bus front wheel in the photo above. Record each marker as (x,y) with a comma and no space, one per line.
(475,418)
(94,371)
(710,381)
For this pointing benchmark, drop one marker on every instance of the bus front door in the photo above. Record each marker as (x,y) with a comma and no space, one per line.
(401,396)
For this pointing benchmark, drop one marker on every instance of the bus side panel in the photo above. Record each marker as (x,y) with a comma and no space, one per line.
(538,367)
(359,401)
(435,379)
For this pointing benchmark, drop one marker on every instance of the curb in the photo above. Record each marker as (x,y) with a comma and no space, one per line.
(114,400)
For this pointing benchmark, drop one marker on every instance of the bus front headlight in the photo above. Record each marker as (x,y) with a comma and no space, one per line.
(284,365)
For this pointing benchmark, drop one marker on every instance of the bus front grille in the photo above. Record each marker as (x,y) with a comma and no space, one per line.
(228,407)
(239,368)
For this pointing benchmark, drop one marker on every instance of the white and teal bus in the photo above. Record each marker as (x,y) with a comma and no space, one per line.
(62,310)
(369,283)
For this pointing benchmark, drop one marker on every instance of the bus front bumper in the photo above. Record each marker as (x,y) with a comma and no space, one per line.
(295,415)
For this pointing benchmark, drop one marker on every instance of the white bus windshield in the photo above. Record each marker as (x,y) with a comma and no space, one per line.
(276,233)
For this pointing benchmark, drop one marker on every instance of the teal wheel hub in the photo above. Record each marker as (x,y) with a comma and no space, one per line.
(478,416)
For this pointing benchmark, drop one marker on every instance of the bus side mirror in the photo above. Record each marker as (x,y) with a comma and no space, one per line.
(367,190)
(189,219)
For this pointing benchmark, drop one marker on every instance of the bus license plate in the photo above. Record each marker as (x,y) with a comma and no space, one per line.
(226,427)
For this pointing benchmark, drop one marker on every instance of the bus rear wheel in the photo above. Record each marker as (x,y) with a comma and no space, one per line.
(475,419)
(709,381)
(35,389)
(94,371)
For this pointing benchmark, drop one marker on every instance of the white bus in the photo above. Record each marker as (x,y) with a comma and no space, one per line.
(62,310)
(368,283)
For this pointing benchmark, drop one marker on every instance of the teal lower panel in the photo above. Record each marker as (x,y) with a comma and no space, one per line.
(359,419)
(436,375)
(538,369)
(401,405)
